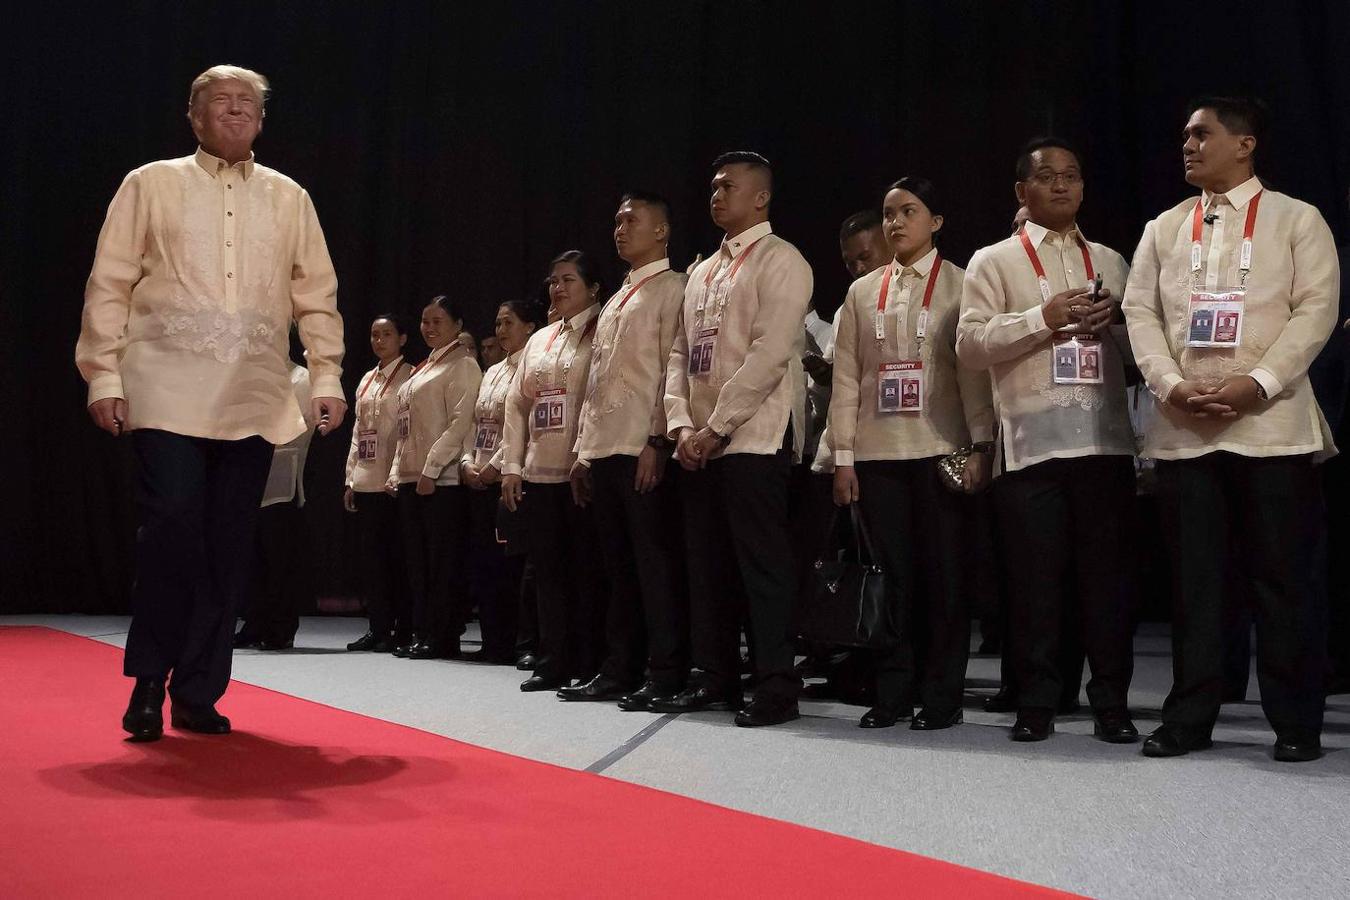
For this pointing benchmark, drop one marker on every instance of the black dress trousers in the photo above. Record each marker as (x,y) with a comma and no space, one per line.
(1222,512)
(569,584)
(434,529)
(197,502)
(647,623)
(496,575)
(382,575)
(918,531)
(739,551)
(1065,533)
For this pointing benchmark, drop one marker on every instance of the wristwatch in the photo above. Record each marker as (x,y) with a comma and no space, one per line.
(1260,388)
(982,447)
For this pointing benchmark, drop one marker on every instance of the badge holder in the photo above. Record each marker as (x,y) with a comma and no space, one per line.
(701,353)
(367,445)
(1215,318)
(900,387)
(1076,358)
(550,409)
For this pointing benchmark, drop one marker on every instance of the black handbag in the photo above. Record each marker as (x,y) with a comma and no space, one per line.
(847,605)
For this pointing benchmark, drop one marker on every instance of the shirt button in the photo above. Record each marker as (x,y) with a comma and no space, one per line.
(228,213)
(229,187)
(229,243)
(229,274)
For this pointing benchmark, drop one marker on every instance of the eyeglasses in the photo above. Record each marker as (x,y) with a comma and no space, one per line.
(1046,179)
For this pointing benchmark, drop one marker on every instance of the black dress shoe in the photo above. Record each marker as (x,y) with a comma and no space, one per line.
(448,650)
(1168,740)
(936,719)
(423,650)
(201,719)
(1033,724)
(246,640)
(1114,726)
(269,644)
(641,699)
(599,688)
(376,643)
(1002,702)
(541,683)
(882,717)
(989,648)
(763,711)
(1297,748)
(144,718)
(526,662)
(697,699)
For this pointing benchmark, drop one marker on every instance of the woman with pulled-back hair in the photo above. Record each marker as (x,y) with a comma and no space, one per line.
(374,439)
(435,412)
(499,560)
(901,402)
(542,411)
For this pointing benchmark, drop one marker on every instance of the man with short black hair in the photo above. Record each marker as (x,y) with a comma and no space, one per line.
(1031,315)
(734,401)
(1232,295)
(622,451)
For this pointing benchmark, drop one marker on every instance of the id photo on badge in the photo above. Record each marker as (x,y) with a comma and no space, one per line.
(555,414)
(1066,363)
(1226,327)
(909,393)
(890,394)
(1202,325)
(1089,364)
(541,415)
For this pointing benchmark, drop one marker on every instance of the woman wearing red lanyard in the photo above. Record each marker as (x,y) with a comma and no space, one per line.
(435,411)
(373,439)
(901,403)
(499,563)
(540,433)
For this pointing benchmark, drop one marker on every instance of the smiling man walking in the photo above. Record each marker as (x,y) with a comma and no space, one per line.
(202,264)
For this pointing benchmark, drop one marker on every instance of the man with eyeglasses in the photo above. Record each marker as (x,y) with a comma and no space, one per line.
(1035,312)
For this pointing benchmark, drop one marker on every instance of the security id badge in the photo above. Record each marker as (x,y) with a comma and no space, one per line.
(1216,318)
(367,445)
(900,387)
(487,434)
(404,418)
(1077,358)
(550,409)
(701,352)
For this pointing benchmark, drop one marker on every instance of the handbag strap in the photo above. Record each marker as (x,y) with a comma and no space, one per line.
(861,536)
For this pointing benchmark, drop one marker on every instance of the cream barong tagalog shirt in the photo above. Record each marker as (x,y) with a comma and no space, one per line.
(484,441)
(755,290)
(956,407)
(201,266)
(1002,329)
(438,400)
(377,411)
(625,403)
(556,358)
(1291,308)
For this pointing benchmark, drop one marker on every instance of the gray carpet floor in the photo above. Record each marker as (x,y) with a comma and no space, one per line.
(1071,813)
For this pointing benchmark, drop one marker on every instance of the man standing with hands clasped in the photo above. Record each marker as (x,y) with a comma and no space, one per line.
(202,264)
(1232,295)
(622,451)
(734,387)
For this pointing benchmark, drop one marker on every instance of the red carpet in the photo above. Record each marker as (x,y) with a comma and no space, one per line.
(307,800)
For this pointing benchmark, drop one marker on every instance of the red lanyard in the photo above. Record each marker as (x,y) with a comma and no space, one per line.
(1249,229)
(440,359)
(637,287)
(922,328)
(383,387)
(1040,269)
(590,326)
(731,274)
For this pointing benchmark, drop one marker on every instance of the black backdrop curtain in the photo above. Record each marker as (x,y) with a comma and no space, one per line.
(454,147)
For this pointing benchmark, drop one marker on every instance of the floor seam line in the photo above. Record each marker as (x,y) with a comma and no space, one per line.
(628,746)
